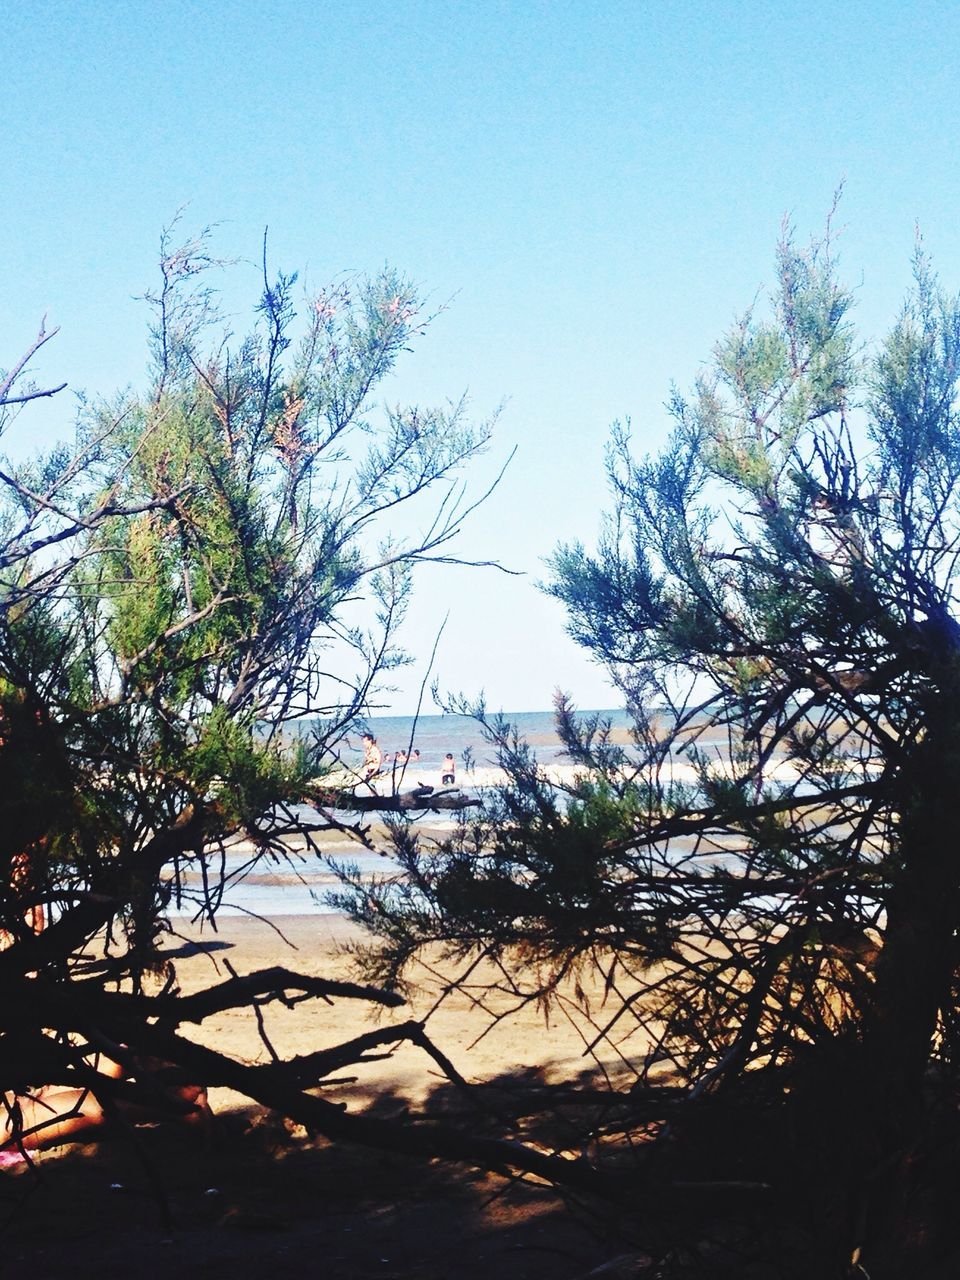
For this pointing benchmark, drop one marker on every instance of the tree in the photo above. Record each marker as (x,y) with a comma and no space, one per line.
(766,878)
(180,589)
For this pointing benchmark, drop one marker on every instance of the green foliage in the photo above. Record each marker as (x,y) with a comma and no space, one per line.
(763,879)
(181,589)
(775,597)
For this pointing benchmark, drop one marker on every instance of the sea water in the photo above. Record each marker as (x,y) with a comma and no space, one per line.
(301,885)
(462,736)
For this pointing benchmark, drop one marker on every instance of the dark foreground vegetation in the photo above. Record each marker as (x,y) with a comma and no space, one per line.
(765,882)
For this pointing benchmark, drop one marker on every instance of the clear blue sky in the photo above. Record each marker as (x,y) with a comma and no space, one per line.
(600,185)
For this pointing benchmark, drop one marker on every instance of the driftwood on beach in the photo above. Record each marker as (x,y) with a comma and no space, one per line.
(423,798)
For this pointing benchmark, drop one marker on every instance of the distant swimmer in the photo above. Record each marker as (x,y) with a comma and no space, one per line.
(372,757)
(449,775)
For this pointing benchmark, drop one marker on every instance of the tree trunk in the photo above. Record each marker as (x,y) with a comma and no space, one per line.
(421,798)
(915,968)
(887,1123)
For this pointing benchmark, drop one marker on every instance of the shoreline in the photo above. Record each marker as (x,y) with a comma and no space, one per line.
(483,778)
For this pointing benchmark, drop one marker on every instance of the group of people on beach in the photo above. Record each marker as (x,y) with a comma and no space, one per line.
(376,764)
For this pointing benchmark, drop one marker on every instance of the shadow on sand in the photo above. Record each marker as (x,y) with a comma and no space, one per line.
(263,1198)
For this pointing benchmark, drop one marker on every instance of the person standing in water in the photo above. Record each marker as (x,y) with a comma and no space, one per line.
(449,770)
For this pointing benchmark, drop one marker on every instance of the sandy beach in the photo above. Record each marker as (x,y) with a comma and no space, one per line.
(262,1196)
(315,945)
